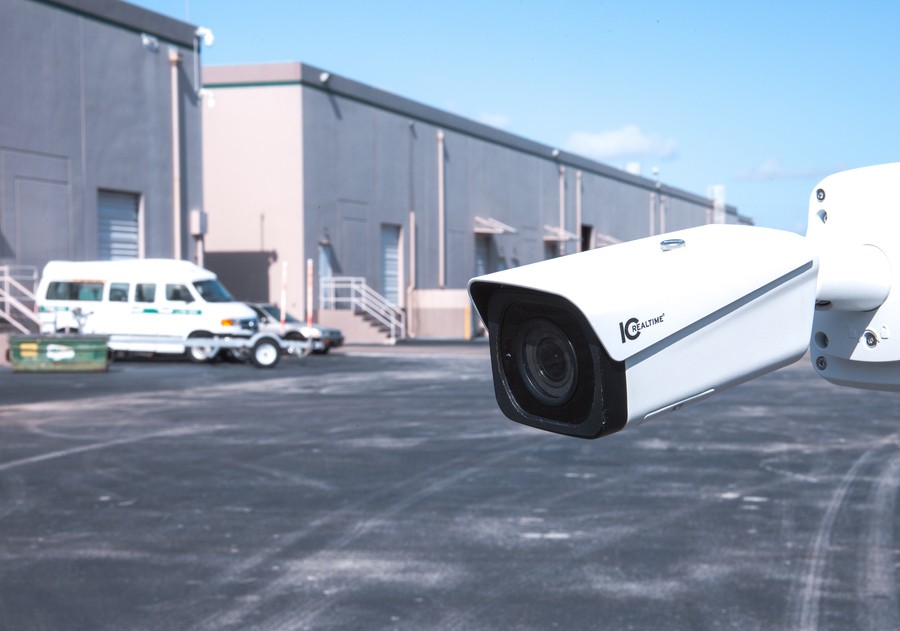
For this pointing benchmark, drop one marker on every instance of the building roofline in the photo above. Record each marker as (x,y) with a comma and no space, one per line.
(131,17)
(299,74)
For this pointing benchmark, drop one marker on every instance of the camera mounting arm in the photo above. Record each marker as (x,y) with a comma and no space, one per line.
(854,225)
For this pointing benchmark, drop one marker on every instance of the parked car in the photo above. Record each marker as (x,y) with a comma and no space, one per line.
(324,338)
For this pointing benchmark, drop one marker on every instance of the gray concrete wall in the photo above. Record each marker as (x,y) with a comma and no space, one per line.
(87,107)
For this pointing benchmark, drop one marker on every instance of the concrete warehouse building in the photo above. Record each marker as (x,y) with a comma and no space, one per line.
(396,203)
(100,152)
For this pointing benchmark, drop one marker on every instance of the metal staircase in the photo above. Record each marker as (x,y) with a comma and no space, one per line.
(18,284)
(353,294)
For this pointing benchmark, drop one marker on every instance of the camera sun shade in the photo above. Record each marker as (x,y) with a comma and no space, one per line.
(550,370)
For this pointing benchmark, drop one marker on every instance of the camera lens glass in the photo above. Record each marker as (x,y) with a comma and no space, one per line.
(548,363)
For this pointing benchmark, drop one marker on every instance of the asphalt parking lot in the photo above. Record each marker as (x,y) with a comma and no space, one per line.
(381,488)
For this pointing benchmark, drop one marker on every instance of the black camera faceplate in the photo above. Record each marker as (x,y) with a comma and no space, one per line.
(599,404)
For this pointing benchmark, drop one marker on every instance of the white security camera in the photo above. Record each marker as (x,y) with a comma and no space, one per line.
(585,344)
(206,35)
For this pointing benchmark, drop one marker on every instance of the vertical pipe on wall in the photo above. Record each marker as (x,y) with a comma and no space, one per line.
(441,227)
(282,305)
(174,60)
(562,210)
(652,213)
(662,213)
(579,244)
(142,238)
(401,269)
(309,293)
(411,287)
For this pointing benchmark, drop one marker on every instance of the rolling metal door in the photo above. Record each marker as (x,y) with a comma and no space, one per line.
(118,228)
(390,263)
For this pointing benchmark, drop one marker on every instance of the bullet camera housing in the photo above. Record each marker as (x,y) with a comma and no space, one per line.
(587,343)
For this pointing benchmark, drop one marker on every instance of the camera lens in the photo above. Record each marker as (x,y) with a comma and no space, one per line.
(548,364)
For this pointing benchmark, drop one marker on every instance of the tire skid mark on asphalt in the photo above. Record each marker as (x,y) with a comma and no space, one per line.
(52,419)
(287,582)
(46,426)
(771,465)
(808,607)
(470,618)
(62,453)
(275,474)
(890,479)
(878,593)
(850,446)
(150,397)
(306,619)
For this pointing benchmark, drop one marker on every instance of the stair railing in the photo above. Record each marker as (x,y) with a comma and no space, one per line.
(352,292)
(18,284)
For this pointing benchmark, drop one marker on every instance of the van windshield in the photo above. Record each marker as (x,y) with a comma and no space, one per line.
(213,291)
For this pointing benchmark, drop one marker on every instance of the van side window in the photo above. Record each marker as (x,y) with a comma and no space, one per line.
(75,290)
(118,292)
(178,292)
(144,292)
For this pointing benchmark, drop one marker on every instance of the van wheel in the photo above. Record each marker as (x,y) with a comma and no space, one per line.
(266,353)
(200,354)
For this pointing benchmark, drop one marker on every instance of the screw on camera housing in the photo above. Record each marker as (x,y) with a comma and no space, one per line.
(871,339)
(821,363)
(820,194)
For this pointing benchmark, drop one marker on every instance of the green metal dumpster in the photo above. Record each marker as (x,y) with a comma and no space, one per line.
(75,353)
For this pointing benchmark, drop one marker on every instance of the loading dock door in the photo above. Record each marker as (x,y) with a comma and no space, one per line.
(482,254)
(390,263)
(118,227)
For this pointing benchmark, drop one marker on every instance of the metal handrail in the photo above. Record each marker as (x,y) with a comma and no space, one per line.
(352,292)
(12,292)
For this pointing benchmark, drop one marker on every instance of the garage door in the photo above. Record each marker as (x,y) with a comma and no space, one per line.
(118,229)
(390,263)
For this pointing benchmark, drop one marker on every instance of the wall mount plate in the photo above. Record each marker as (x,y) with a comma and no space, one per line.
(854,225)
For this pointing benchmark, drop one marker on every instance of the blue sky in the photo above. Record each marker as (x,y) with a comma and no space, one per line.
(765,98)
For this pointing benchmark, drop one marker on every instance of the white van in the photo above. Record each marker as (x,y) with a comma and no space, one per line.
(146,305)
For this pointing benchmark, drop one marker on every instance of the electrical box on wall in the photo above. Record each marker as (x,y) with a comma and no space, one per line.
(198,222)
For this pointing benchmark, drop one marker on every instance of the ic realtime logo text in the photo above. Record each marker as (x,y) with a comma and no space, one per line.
(631,328)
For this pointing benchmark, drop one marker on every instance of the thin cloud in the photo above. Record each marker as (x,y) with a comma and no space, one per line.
(627,142)
(772,169)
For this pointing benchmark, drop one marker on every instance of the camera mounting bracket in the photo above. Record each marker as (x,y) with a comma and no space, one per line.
(854,225)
